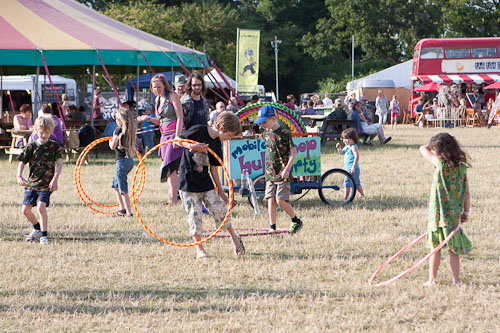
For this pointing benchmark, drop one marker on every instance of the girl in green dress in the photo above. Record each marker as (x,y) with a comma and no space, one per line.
(449,202)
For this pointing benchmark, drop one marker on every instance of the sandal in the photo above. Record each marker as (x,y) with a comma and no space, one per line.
(241,248)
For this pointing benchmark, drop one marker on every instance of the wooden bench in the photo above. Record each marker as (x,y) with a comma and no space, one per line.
(332,129)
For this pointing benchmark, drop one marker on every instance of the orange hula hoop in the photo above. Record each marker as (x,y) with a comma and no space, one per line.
(230,204)
(78,184)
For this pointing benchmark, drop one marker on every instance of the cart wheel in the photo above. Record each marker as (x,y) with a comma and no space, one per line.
(332,187)
(259,184)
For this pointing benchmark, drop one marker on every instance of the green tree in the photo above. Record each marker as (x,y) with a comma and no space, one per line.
(472,18)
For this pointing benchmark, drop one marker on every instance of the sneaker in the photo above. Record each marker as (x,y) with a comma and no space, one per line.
(33,234)
(241,248)
(296,226)
(44,240)
(272,228)
(387,140)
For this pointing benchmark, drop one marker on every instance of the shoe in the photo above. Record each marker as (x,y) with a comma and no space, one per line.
(272,228)
(387,140)
(123,213)
(296,226)
(241,248)
(44,240)
(33,234)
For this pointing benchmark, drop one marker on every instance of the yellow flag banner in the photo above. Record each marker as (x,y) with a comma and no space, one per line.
(248,61)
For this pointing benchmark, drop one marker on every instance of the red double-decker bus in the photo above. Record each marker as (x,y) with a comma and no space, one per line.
(470,62)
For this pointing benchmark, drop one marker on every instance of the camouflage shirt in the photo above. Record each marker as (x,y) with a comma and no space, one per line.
(188,110)
(42,160)
(278,145)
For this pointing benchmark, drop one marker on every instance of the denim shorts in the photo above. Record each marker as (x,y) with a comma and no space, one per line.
(32,196)
(123,167)
(355,176)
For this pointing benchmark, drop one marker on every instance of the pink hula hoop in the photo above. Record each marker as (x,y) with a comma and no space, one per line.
(420,262)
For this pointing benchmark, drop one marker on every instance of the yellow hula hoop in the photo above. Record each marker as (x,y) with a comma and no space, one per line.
(79,187)
(226,173)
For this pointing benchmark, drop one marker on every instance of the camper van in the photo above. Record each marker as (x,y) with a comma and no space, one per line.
(18,90)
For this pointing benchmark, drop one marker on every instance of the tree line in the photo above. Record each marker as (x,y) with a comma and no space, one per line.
(315,54)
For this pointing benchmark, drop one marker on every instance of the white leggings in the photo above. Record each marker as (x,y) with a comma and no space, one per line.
(382,118)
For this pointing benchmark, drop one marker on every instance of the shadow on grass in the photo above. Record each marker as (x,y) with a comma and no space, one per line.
(127,237)
(175,300)
(370,203)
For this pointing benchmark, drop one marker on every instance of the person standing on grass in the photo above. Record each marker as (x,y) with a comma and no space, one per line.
(281,153)
(449,202)
(382,105)
(198,173)
(44,156)
(351,160)
(168,109)
(123,143)
(194,105)
(394,107)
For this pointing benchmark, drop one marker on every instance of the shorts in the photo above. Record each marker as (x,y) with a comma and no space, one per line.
(278,190)
(355,177)
(32,196)
(192,203)
(370,129)
(123,167)
(394,114)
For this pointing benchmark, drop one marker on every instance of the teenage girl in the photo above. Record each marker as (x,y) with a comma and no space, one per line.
(351,160)
(123,143)
(449,202)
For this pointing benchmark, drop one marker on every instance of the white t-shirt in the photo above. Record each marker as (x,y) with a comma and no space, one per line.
(327,101)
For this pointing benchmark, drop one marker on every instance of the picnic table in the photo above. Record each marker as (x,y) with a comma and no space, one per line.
(330,128)
(16,134)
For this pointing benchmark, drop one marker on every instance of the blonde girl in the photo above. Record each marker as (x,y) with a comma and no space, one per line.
(123,143)
(382,104)
(394,107)
(449,202)
(351,160)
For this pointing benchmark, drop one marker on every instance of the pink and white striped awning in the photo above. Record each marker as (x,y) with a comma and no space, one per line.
(462,78)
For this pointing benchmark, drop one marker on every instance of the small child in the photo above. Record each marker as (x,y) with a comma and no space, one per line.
(449,202)
(43,155)
(351,160)
(280,156)
(394,107)
(195,184)
(123,143)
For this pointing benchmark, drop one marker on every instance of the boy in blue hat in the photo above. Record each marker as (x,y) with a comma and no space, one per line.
(280,156)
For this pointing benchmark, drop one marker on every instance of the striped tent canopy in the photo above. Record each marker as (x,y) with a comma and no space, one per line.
(69,34)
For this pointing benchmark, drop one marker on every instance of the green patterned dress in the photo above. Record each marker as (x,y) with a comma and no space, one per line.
(446,207)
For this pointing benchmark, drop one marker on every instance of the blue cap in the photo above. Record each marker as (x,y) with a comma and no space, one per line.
(265,112)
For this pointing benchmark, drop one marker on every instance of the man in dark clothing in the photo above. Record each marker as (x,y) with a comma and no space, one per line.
(194,106)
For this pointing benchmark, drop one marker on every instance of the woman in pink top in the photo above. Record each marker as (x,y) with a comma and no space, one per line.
(22,121)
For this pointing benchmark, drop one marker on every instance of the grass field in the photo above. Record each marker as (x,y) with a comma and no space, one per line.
(117,277)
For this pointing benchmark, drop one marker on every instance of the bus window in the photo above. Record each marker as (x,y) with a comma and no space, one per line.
(432,53)
(483,52)
(457,53)
(415,54)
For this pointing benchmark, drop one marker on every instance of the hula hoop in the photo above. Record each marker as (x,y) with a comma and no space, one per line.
(420,262)
(260,232)
(79,187)
(288,116)
(230,204)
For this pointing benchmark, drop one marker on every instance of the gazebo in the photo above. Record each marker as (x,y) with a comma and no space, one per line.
(64,36)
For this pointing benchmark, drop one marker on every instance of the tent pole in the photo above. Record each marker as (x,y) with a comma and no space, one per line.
(93,99)
(43,88)
(172,79)
(35,104)
(1,93)
(84,88)
(137,82)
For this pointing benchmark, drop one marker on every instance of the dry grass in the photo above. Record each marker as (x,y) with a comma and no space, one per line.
(314,281)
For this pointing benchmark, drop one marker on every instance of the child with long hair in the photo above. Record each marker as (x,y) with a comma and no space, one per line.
(351,160)
(449,202)
(123,143)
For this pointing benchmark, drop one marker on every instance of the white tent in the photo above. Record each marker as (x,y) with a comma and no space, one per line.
(218,79)
(400,74)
